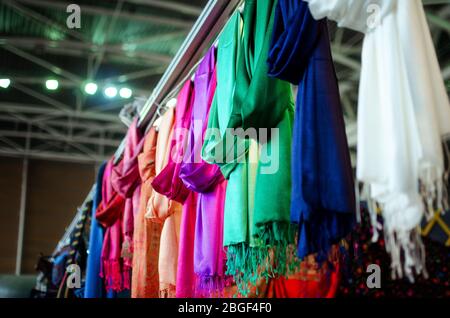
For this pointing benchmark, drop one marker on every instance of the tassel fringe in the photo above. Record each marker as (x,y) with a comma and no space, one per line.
(274,255)
(212,286)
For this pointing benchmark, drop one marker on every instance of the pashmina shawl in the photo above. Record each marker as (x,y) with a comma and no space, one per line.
(323,198)
(186,278)
(161,209)
(146,236)
(403,112)
(206,179)
(110,214)
(168,181)
(257,229)
(94,287)
(126,181)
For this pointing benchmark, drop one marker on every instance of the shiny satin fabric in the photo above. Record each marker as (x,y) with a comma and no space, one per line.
(323,198)
(168,181)
(207,180)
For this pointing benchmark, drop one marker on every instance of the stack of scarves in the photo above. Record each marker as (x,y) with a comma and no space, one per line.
(403,112)
(199,186)
(323,200)
(94,287)
(162,210)
(257,229)
(146,237)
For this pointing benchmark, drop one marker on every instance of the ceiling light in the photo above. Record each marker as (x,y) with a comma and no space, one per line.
(125,92)
(4,82)
(110,92)
(51,84)
(90,88)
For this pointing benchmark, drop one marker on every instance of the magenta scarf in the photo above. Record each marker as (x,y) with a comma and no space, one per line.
(125,179)
(168,181)
(186,278)
(110,214)
(207,180)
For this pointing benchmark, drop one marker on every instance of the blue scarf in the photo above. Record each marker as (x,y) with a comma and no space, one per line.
(94,283)
(323,198)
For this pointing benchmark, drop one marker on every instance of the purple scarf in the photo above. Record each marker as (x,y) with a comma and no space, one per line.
(207,180)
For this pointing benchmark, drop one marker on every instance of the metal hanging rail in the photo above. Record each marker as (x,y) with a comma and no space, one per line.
(205,30)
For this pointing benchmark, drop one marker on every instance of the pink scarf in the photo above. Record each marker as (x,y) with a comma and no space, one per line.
(110,214)
(168,181)
(126,181)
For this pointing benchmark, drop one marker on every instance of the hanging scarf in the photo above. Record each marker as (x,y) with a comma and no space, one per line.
(94,287)
(207,180)
(403,111)
(163,210)
(323,199)
(257,230)
(110,214)
(168,181)
(126,181)
(146,237)
(186,278)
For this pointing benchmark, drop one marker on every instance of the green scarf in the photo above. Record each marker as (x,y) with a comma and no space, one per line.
(257,229)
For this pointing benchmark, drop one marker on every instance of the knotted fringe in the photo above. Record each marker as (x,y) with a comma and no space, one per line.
(211,286)
(433,190)
(112,274)
(406,246)
(274,254)
(167,291)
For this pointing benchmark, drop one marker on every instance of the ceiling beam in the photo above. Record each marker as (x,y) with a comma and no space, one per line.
(150,39)
(103,11)
(89,126)
(60,137)
(43,109)
(11,44)
(180,7)
(50,155)
(43,63)
(41,97)
(42,19)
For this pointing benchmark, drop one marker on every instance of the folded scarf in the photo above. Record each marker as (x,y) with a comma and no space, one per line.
(323,198)
(257,229)
(146,236)
(207,180)
(168,181)
(110,215)
(94,287)
(161,209)
(403,111)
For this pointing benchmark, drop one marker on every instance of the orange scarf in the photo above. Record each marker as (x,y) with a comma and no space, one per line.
(146,237)
(162,210)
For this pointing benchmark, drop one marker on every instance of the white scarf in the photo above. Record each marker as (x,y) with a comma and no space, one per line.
(403,112)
